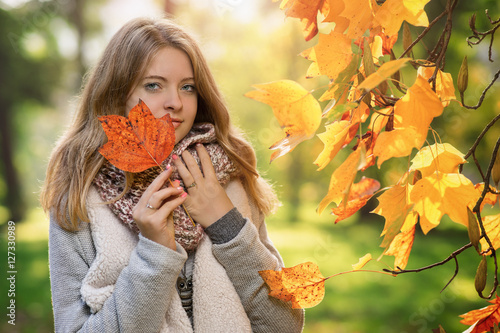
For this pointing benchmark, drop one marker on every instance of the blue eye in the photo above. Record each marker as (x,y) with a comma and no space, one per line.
(189,88)
(152,86)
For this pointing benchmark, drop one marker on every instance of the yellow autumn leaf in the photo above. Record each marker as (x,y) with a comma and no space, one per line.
(302,285)
(393,12)
(307,12)
(342,179)
(296,110)
(438,157)
(359,20)
(330,56)
(362,262)
(333,139)
(444,83)
(413,114)
(383,73)
(400,247)
(442,193)
(394,205)
(491,225)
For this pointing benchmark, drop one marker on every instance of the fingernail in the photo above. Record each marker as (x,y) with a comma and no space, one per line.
(174,157)
(183,195)
(168,166)
(180,188)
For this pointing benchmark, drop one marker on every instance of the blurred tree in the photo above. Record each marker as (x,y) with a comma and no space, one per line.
(30,67)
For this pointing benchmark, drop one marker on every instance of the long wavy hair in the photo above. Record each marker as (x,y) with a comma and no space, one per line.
(75,160)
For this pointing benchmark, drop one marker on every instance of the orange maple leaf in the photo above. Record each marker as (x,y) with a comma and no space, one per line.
(359,20)
(491,225)
(393,12)
(444,83)
(413,114)
(333,138)
(395,206)
(307,12)
(489,198)
(383,73)
(302,285)
(442,193)
(138,142)
(330,56)
(296,110)
(438,157)
(359,195)
(401,246)
(342,179)
(483,320)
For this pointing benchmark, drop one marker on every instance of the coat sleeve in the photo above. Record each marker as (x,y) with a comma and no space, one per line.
(135,304)
(244,250)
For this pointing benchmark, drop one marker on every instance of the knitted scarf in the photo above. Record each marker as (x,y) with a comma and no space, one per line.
(110,182)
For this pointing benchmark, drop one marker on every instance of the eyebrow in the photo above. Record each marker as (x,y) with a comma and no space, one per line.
(159,77)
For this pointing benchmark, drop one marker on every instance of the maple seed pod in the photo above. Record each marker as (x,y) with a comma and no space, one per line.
(481,273)
(463,77)
(472,22)
(407,39)
(495,171)
(473,229)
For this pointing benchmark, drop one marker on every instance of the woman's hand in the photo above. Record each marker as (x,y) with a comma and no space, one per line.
(153,212)
(207,200)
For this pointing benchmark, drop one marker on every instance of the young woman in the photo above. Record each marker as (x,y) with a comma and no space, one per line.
(124,253)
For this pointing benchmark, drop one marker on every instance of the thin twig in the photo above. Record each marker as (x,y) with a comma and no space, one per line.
(451,256)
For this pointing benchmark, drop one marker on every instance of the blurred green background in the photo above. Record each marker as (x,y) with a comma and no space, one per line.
(45,49)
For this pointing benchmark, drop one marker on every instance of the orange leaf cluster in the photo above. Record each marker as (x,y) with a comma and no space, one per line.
(373,117)
(138,142)
(483,320)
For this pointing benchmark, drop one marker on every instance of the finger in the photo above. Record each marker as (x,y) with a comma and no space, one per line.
(206,161)
(183,171)
(157,183)
(168,207)
(156,199)
(192,165)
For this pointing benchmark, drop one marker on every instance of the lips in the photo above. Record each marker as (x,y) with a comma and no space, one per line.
(176,122)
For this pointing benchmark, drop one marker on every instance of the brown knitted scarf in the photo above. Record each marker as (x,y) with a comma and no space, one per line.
(110,182)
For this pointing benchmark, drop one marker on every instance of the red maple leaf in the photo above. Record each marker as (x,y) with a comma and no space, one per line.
(138,142)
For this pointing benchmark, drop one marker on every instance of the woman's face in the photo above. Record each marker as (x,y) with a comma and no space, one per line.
(168,87)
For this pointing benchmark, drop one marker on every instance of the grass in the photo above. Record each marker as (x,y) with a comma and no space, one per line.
(356,302)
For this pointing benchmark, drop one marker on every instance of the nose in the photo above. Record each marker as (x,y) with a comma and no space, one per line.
(173,100)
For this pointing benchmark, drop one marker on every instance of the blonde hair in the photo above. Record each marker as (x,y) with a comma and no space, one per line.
(75,161)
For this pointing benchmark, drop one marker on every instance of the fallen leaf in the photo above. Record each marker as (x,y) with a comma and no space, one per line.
(442,193)
(138,142)
(483,320)
(393,12)
(302,285)
(296,110)
(438,157)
